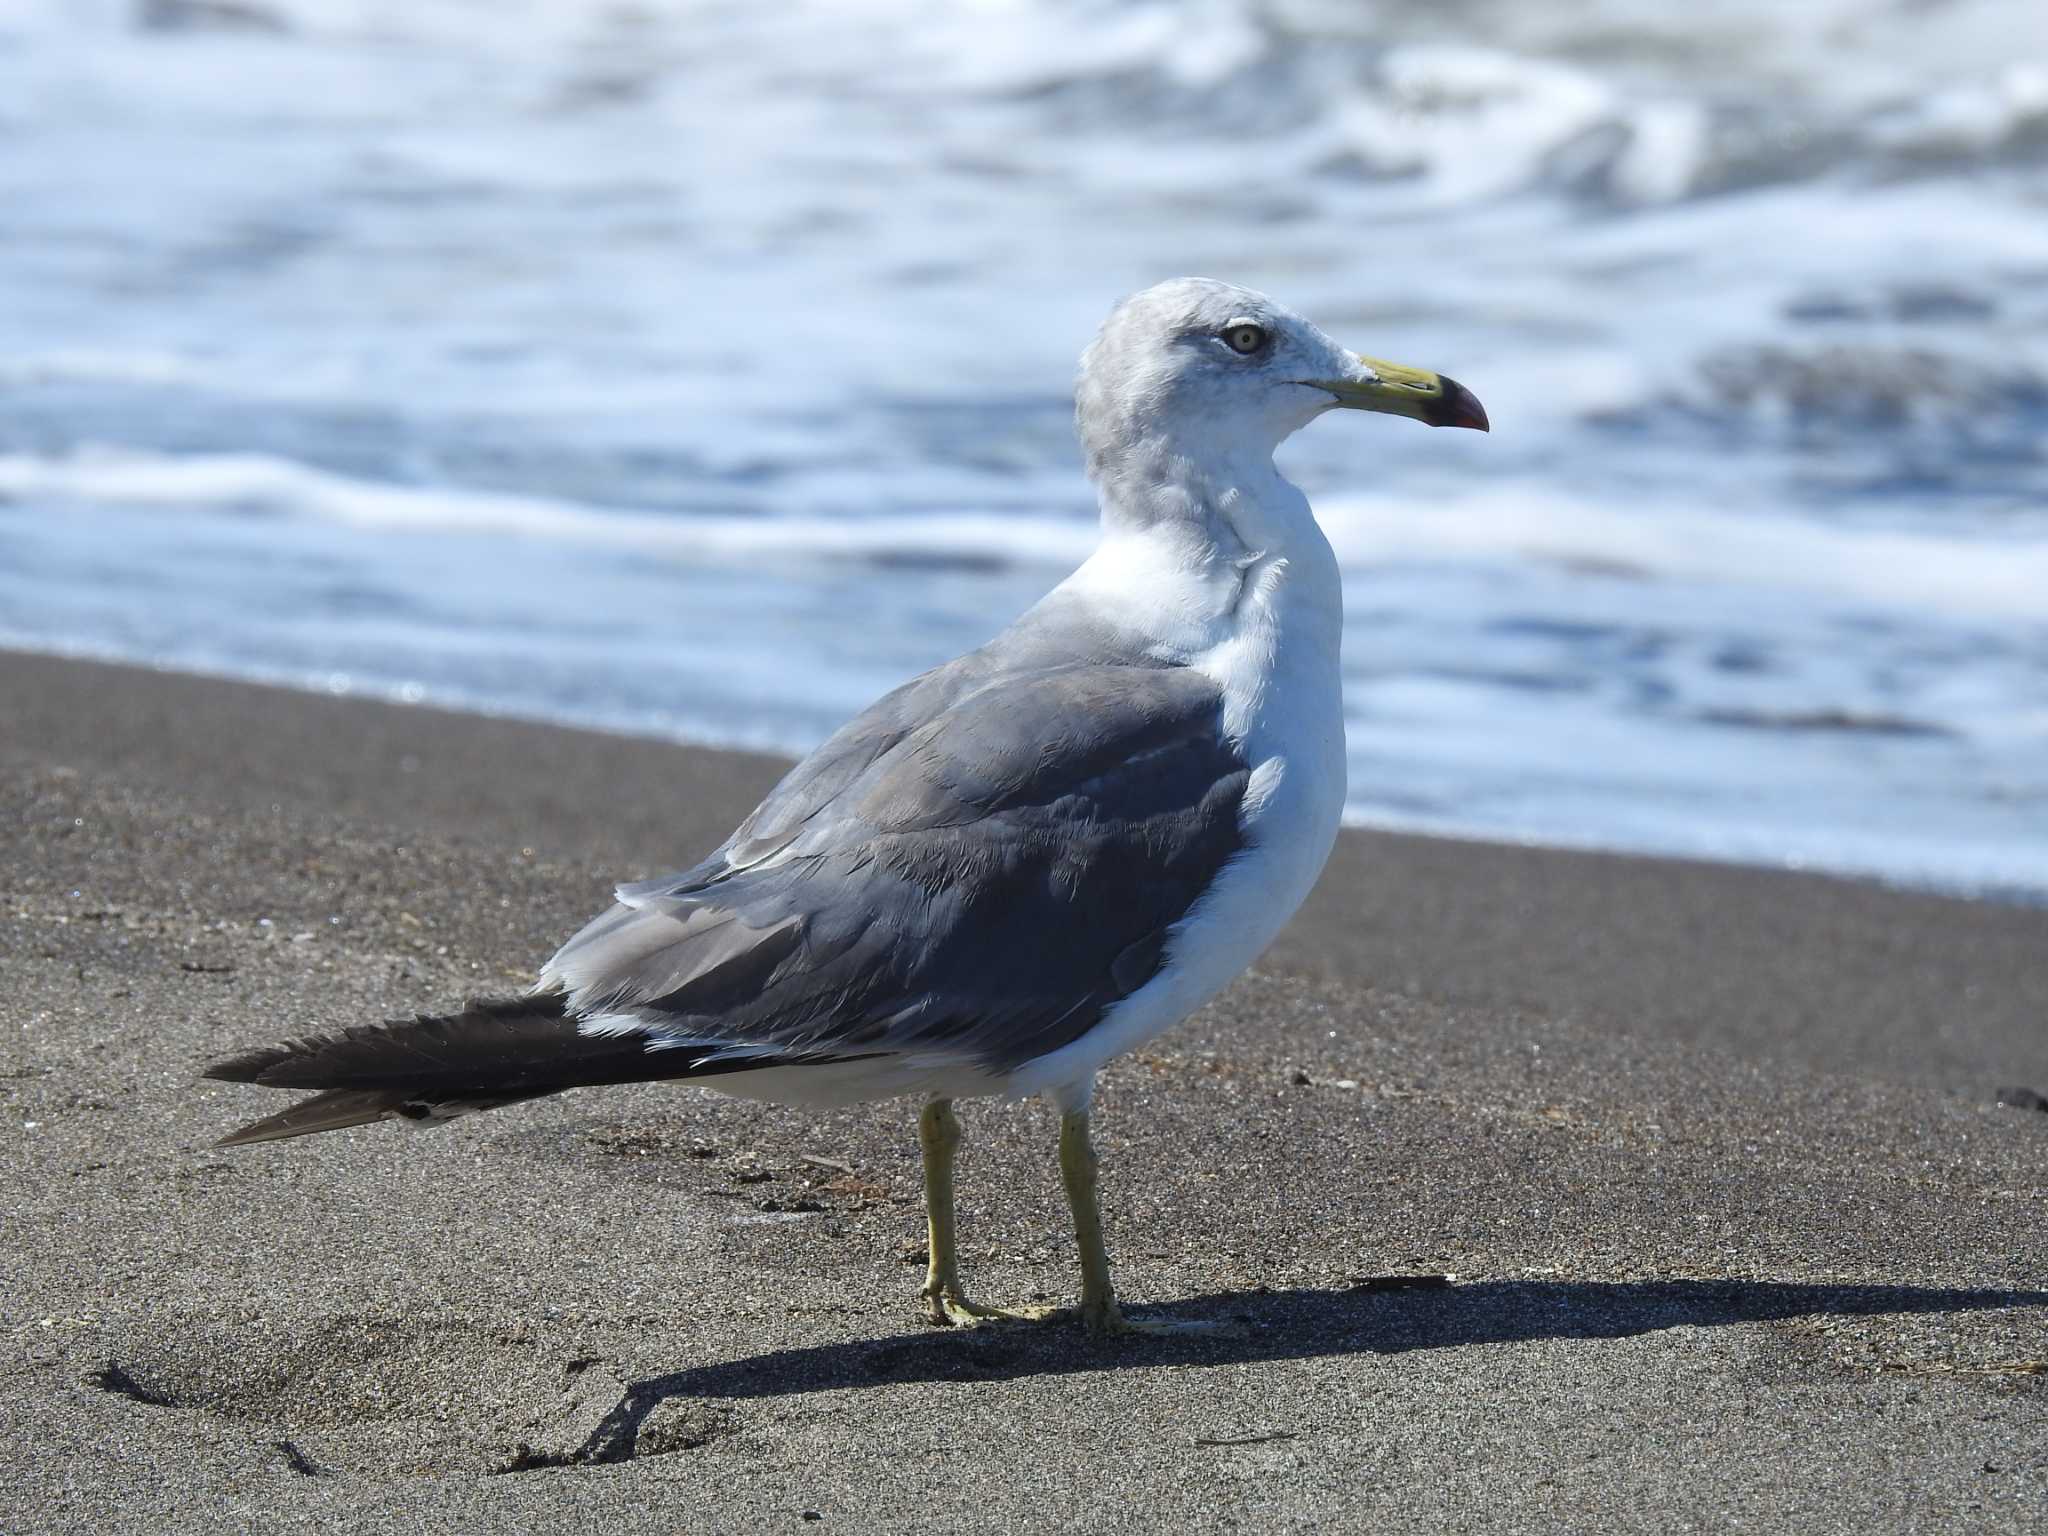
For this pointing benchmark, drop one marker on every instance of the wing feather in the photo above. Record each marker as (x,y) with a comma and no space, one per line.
(977,868)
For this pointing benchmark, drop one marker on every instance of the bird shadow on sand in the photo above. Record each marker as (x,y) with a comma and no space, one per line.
(1389,1316)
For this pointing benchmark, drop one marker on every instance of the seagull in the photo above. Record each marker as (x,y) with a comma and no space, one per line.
(1011,869)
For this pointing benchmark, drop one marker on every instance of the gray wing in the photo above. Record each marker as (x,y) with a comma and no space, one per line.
(975,868)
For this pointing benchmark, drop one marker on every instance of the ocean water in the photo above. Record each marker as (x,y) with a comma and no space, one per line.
(703,369)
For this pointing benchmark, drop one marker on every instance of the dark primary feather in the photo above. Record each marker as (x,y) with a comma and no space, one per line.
(492,1053)
(499,1043)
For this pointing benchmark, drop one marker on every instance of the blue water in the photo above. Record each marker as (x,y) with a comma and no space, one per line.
(702,369)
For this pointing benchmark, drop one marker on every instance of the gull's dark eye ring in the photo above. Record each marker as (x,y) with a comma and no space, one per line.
(1243,337)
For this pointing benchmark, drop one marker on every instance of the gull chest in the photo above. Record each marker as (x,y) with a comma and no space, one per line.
(1276,667)
(1281,679)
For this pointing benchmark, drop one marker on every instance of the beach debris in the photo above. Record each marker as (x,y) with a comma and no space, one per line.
(831,1163)
(115,1377)
(863,1192)
(1400,1282)
(1301,1079)
(1953,1368)
(299,1461)
(1278,1434)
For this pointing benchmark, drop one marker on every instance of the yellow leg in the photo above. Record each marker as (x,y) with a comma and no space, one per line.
(1099,1312)
(945,1299)
(1078,1168)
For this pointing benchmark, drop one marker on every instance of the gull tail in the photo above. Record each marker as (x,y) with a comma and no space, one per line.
(427,1070)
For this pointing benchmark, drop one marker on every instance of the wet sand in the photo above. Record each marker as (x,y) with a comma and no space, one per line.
(1737,1226)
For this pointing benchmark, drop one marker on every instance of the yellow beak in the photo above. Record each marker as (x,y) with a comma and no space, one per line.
(1397,391)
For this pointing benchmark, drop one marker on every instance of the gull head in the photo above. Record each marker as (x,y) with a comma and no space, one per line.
(1198,369)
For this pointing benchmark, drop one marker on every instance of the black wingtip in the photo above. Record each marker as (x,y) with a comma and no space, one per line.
(248,1066)
(323,1112)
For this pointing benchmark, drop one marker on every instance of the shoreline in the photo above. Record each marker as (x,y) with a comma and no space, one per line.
(1996,892)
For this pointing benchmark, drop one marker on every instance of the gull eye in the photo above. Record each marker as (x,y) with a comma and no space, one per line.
(1244,338)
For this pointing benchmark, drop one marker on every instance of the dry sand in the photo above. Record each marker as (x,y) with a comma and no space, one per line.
(1740,1234)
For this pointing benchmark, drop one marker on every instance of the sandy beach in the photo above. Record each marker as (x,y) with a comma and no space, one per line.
(1738,1229)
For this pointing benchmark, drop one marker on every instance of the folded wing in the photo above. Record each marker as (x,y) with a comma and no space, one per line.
(971,872)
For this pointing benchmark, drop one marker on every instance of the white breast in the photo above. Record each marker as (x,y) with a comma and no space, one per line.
(1271,644)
